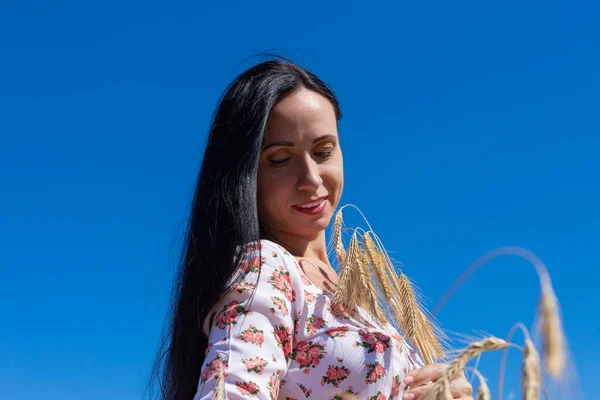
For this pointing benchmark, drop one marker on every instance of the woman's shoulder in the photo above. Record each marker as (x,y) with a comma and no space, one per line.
(269,256)
(268,250)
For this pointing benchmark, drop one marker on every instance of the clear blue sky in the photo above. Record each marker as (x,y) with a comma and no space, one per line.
(467,126)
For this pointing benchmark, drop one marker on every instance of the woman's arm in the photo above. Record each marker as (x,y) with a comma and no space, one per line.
(251,330)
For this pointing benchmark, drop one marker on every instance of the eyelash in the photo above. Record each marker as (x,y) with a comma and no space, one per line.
(322,154)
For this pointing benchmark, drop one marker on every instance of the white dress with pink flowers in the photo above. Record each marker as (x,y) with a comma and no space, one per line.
(276,338)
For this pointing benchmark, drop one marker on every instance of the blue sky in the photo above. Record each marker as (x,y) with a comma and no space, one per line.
(467,126)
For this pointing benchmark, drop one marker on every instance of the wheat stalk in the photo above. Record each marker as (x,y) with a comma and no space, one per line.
(552,333)
(531,372)
(379,268)
(220,389)
(416,325)
(337,237)
(371,299)
(483,390)
(344,296)
(459,363)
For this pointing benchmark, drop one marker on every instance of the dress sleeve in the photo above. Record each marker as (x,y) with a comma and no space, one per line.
(250,332)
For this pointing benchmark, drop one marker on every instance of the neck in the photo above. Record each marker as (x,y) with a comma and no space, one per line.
(302,246)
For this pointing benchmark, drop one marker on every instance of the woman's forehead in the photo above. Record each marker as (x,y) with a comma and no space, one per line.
(301,115)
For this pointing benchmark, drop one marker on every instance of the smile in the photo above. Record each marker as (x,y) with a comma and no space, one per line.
(313,207)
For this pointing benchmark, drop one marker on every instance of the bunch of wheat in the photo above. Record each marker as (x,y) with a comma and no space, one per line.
(369,280)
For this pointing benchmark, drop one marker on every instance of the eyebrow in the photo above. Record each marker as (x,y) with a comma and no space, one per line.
(290,144)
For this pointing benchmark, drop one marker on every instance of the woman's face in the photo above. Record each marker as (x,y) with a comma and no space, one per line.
(300,172)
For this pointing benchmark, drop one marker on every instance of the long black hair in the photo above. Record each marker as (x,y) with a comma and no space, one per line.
(224,215)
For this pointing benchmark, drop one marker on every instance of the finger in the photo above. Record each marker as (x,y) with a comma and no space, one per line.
(417,393)
(421,376)
(461,387)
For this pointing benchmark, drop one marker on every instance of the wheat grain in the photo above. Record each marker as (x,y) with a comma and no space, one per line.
(337,237)
(220,389)
(371,294)
(344,298)
(531,372)
(483,390)
(459,363)
(552,333)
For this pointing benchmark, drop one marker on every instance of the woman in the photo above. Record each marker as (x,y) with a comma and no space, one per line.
(251,313)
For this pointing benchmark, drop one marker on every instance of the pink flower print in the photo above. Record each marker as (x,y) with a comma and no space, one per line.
(247,388)
(253,247)
(280,305)
(280,280)
(253,264)
(335,375)
(273,386)
(378,396)
(307,392)
(283,334)
(395,387)
(228,316)
(213,368)
(252,335)
(255,364)
(342,311)
(313,323)
(377,343)
(309,297)
(245,287)
(337,332)
(374,372)
(210,346)
(331,374)
(399,341)
(308,354)
(379,348)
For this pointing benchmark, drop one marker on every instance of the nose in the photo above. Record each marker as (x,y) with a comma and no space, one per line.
(309,177)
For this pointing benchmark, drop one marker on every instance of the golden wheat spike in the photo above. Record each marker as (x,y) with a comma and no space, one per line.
(220,389)
(483,390)
(431,336)
(446,391)
(379,268)
(416,325)
(337,237)
(344,297)
(371,300)
(410,308)
(552,333)
(531,372)
(458,364)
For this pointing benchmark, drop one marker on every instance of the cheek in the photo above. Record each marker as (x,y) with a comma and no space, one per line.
(271,195)
(334,178)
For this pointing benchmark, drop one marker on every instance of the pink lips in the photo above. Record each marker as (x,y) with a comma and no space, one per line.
(313,210)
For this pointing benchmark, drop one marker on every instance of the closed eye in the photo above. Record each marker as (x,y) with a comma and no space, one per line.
(324,154)
(279,163)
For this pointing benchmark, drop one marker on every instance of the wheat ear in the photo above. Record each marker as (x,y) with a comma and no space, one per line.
(483,390)
(416,325)
(531,372)
(366,278)
(379,268)
(220,389)
(459,363)
(345,294)
(552,333)
(338,244)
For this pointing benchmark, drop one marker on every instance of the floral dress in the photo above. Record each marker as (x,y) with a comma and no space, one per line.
(276,338)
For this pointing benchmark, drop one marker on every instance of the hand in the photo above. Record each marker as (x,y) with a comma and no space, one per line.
(420,381)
